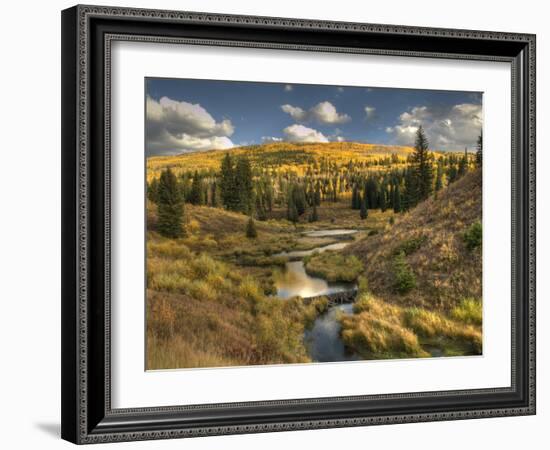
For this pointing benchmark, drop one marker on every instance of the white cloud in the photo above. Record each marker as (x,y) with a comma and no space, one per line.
(288,87)
(370,111)
(300,133)
(324,113)
(271,139)
(451,128)
(295,112)
(340,89)
(178,126)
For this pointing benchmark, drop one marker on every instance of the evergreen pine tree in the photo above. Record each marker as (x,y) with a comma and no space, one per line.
(439,178)
(479,153)
(195,195)
(463,164)
(251,232)
(382,198)
(355,198)
(317,194)
(243,185)
(364,212)
(397,208)
(292,212)
(170,206)
(229,194)
(422,165)
(260,209)
(313,216)
(214,194)
(152,190)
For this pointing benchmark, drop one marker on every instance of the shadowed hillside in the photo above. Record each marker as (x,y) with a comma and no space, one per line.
(435,246)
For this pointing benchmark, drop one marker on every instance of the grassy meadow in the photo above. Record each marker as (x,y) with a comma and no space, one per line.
(217,261)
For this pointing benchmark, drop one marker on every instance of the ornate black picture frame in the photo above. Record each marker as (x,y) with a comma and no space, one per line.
(87,34)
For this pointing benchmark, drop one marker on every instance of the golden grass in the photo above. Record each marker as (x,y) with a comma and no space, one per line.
(376,331)
(282,156)
(203,311)
(379,329)
(469,311)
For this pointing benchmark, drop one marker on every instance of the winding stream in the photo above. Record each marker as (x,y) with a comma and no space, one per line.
(323,339)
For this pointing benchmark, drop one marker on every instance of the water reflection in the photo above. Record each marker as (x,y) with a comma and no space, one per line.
(294,280)
(325,233)
(303,253)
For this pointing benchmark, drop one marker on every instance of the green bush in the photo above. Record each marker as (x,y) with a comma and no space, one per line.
(404,279)
(472,236)
(410,245)
(251,232)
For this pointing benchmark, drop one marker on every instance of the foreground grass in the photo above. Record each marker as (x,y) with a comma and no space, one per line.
(202,312)
(333,266)
(381,330)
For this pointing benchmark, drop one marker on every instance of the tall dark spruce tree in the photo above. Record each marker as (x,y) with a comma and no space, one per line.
(196,195)
(243,185)
(364,211)
(228,189)
(479,153)
(463,164)
(397,208)
(439,177)
(355,198)
(422,166)
(170,206)
(292,212)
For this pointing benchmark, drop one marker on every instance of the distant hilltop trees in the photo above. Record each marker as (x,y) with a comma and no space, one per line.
(273,182)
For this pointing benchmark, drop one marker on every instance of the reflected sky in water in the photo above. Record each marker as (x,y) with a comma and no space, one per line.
(295,281)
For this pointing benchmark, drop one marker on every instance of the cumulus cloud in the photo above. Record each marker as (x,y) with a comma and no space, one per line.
(370,111)
(288,87)
(178,126)
(324,113)
(449,128)
(271,139)
(300,133)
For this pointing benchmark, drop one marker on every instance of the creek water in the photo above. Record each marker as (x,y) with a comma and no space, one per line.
(323,338)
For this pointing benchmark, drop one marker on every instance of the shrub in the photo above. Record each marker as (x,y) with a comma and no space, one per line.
(410,245)
(251,232)
(363,284)
(404,279)
(373,232)
(472,236)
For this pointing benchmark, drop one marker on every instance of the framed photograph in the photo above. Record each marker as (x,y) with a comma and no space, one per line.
(280,224)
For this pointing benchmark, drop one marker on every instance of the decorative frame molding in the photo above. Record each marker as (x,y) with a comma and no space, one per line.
(88,32)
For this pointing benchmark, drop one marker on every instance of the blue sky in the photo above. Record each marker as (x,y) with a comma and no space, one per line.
(184,115)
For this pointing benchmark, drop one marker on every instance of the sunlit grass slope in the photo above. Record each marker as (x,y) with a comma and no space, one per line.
(280,155)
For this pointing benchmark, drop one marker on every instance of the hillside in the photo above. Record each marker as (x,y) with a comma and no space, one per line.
(278,154)
(431,238)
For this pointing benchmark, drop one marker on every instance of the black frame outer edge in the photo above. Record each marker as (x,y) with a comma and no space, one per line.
(99,420)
